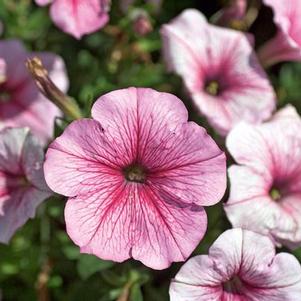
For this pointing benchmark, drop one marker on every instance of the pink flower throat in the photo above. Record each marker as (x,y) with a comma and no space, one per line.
(4,95)
(275,193)
(234,285)
(212,87)
(135,173)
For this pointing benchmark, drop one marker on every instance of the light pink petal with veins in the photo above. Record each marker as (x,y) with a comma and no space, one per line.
(201,53)
(197,280)
(127,220)
(176,169)
(79,17)
(80,160)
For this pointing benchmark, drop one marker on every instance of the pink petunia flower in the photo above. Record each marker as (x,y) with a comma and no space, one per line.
(265,193)
(22,184)
(286,45)
(241,266)
(219,69)
(21,104)
(78,17)
(137,176)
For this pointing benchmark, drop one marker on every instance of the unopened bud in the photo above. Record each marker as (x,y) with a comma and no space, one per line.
(48,88)
(232,15)
(141,23)
(105,5)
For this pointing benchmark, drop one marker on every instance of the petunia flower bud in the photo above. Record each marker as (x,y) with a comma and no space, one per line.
(51,91)
(141,23)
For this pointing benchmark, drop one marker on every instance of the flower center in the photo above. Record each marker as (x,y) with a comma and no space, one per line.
(234,285)
(4,96)
(212,87)
(275,194)
(135,173)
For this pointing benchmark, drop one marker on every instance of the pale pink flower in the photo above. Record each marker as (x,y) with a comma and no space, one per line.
(265,192)
(21,104)
(78,17)
(241,266)
(286,44)
(219,69)
(137,176)
(22,184)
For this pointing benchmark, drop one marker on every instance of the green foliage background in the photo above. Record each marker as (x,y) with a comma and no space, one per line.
(41,263)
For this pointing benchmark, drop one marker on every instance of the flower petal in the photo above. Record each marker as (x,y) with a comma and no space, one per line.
(78,17)
(248,147)
(16,208)
(11,147)
(43,2)
(286,44)
(138,118)
(14,55)
(32,159)
(193,174)
(182,50)
(81,159)
(126,220)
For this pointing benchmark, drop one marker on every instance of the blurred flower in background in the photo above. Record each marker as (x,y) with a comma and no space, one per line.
(220,71)
(241,265)
(21,104)
(286,44)
(265,193)
(78,17)
(22,184)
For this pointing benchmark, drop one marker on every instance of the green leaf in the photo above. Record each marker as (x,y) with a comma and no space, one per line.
(71,252)
(87,265)
(136,294)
